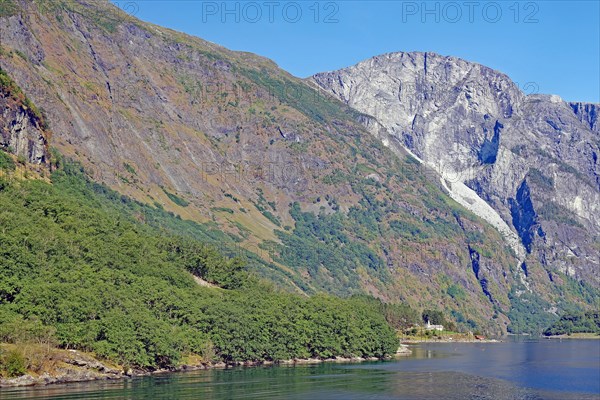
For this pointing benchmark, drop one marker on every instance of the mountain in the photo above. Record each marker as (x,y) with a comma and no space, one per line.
(293,179)
(527,164)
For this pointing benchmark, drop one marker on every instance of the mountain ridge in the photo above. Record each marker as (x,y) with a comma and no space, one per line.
(455,98)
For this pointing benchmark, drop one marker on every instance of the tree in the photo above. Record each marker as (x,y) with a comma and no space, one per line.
(435,317)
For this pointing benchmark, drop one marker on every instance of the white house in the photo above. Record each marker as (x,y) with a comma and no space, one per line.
(430,327)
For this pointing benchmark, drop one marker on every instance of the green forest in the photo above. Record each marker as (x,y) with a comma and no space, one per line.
(578,322)
(86,268)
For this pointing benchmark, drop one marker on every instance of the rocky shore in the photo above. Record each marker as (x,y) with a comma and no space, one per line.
(449,340)
(65,366)
(75,366)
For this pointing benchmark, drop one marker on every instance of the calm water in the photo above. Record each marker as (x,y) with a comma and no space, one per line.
(532,370)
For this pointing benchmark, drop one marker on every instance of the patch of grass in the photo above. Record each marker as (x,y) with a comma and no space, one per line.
(130,169)
(244,232)
(300,148)
(456,292)
(8,8)
(555,212)
(8,86)
(6,162)
(315,105)
(408,230)
(365,169)
(21,55)
(335,178)
(223,209)
(538,178)
(176,199)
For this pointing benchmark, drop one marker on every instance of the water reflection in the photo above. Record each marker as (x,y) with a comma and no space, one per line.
(516,371)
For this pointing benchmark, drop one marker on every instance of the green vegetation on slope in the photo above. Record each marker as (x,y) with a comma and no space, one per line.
(80,267)
(8,8)
(529,312)
(75,182)
(6,162)
(321,245)
(10,88)
(312,103)
(580,322)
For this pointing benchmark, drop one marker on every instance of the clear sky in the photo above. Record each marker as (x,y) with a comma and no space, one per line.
(545,46)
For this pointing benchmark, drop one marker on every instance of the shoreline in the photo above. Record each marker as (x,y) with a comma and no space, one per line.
(84,368)
(420,341)
(574,336)
(77,367)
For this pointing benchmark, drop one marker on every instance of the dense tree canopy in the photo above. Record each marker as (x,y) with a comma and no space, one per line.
(578,322)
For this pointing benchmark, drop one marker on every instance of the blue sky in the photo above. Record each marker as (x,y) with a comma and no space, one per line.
(550,46)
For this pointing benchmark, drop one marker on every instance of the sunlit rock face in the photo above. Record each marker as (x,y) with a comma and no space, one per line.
(21,133)
(527,163)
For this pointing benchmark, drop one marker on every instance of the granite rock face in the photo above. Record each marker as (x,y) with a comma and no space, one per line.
(531,158)
(20,132)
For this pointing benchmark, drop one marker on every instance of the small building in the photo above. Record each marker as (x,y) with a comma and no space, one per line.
(430,327)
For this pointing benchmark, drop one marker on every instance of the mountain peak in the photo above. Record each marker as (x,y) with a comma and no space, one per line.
(487,140)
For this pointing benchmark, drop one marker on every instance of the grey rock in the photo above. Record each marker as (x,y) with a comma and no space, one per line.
(21,133)
(526,163)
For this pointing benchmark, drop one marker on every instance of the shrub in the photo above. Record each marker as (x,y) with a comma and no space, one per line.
(6,163)
(14,364)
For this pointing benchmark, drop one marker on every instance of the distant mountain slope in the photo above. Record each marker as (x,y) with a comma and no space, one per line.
(229,140)
(532,158)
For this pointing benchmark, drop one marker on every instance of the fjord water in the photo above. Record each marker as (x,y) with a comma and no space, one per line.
(545,369)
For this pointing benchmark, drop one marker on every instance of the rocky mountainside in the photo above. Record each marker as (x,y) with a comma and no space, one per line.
(23,132)
(528,164)
(291,177)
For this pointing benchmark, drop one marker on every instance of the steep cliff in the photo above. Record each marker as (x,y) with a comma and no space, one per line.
(22,128)
(531,161)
